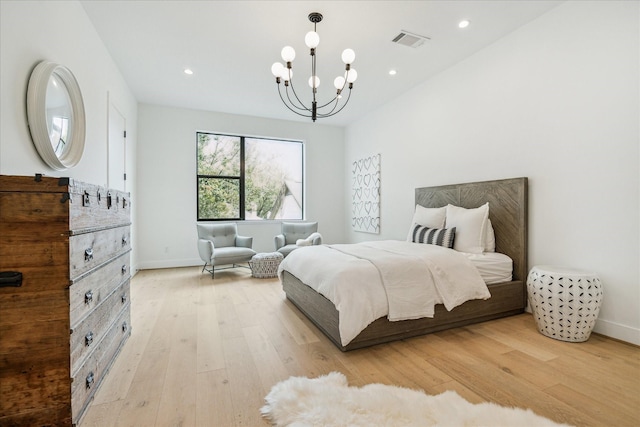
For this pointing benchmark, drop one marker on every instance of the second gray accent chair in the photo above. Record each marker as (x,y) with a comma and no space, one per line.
(294,231)
(220,244)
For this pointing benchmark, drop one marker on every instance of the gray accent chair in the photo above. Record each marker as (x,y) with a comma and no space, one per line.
(294,231)
(219,244)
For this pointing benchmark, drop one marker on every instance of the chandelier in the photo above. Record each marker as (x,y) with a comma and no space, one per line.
(284,74)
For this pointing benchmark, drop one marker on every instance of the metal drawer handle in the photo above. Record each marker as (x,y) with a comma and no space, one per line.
(99,196)
(85,199)
(109,200)
(125,327)
(88,297)
(88,254)
(89,380)
(124,298)
(88,339)
(10,279)
(124,240)
(124,203)
(124,269)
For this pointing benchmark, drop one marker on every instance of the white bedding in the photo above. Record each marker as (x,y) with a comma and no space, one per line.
(401,280)
(494,267)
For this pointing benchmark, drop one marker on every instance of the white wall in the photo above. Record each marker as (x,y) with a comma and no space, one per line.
(556,101)
(167,180)
(59,31)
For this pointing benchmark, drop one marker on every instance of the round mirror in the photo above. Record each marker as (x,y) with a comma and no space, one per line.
(55,112)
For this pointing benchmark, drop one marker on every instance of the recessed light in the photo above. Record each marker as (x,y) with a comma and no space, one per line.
(392,72)
(188,71)
(463,24)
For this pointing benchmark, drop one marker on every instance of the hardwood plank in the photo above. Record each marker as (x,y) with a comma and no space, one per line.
(213,404)
(270,368)
(210,355)
(178,401)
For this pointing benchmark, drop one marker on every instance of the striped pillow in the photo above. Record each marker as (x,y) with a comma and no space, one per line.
(434,236)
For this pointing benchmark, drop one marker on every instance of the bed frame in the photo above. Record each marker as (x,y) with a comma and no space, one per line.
(508,213)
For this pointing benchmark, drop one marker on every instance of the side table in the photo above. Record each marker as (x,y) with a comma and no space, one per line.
(265,265)
(565,302)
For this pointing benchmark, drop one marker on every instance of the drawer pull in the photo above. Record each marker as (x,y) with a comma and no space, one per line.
(85,199)
(90,379)
(124,240)
(124,269)
(109,202)
(88,339)
(99,196)
(124,298)
(88,254)
(124,203)
(88,297)
(10,279)
(125,327)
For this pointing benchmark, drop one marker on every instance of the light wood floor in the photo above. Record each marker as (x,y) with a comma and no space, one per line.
(205,353)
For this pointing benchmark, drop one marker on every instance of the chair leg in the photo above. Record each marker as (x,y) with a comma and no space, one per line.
(204,267)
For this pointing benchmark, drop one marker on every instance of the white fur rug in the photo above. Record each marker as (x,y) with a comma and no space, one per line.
(329,401)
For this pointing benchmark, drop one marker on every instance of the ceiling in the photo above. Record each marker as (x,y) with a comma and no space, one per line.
(231,45)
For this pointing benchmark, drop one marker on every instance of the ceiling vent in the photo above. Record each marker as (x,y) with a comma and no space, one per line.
(409,39)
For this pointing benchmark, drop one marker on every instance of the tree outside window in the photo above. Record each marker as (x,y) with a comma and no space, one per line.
(242,178)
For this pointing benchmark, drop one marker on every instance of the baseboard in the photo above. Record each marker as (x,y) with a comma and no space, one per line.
(169,263)
(620,332)
(612,330)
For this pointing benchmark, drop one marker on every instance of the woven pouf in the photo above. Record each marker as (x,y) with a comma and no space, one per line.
(565,302)
(265,265)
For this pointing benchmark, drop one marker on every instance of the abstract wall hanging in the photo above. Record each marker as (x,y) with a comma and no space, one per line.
(365,185)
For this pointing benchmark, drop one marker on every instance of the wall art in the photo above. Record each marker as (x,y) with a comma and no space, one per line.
(365,207)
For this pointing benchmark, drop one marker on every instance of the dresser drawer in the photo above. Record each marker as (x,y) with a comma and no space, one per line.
(92,329)
(88,292)
(87,379)
(91,206)
(90,250)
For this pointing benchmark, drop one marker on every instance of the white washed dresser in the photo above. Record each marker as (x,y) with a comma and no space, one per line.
(64,295)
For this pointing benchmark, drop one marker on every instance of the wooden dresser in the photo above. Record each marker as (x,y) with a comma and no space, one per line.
(64,295)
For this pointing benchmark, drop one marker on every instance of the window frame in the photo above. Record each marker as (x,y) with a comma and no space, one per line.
(242,177)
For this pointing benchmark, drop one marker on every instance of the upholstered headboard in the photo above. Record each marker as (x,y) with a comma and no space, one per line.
(507,210)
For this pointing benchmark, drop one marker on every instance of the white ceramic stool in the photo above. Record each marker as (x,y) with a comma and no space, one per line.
(565,302)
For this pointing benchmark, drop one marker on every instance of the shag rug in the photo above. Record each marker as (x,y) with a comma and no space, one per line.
(329,401)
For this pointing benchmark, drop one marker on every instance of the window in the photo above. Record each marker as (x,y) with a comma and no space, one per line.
(243,178)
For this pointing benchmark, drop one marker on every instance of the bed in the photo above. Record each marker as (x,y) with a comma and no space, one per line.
(508,214)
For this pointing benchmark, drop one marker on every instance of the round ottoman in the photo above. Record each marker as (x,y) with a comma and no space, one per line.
(265,265)
(565,302)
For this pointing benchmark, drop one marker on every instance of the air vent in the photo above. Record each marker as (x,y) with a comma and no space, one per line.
(409,39)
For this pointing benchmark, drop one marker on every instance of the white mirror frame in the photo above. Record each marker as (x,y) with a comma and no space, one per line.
(37,115)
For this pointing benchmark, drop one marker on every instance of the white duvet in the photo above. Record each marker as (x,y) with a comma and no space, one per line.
(398,279)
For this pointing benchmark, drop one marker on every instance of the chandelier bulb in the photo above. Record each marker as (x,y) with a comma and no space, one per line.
(312,39)
(352,75)
(338,83)
(314,81)
(276,69)
(348,56)
(286,73)
(288,54)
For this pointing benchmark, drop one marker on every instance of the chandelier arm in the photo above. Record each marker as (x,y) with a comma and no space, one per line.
(335,98)
(288,106)
(334,113)
(300,105)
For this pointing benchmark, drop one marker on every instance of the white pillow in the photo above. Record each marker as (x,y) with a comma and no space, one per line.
(490,238)
(471,225)
(427,217)
(303,242)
